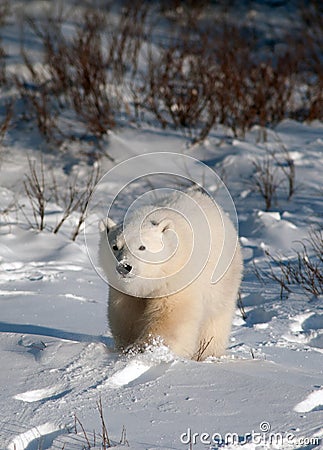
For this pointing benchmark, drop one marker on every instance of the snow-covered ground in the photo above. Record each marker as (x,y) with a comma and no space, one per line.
(56,351)
(57,355)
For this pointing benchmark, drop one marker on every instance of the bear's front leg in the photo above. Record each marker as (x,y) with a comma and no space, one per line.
(174,321)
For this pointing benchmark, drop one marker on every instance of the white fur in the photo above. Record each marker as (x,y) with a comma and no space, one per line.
(158,299)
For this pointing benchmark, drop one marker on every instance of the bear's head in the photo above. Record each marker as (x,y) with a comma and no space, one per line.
(147,255)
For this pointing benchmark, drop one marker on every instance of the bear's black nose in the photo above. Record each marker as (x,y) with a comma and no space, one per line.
(124,268)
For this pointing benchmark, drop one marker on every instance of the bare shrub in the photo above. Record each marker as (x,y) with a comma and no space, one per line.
(36,191)
(179,87)
(4,12)
(175,88)
(210,76)
(5,124)
(75,75)
(37,95)
(183,12)
(202,73)
(70,200)
(127,39)
(249,89)
(233,84)
(287,166)
(272,85)
(40,190)
(75,199)
(6,212)
(246,87)
(273,170)
(303,269)
(315,99)
(241,307)
(266,179)
(311,53)
(3,74)
(41,108)
(85,71)
(88,77)
(84,199)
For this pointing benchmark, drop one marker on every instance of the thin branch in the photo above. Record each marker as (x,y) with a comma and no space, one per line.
(105,437)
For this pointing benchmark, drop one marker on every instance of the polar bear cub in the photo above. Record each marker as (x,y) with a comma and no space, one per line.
(174,269)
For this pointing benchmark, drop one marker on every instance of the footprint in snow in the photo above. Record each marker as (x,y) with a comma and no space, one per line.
(307,328)
(259,316)
(124,376)
(35,348)
(141,369)
(314,324)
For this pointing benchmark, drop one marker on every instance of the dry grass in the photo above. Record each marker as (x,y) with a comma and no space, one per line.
(200,353)
(302,270)
(99,439)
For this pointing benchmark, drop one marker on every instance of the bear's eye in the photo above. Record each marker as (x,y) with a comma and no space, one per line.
(114,247)
(142,248)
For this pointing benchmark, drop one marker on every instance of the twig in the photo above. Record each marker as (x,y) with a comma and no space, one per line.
(241,307)
(84,199)
(198,356)
(35,189)
(123,439)
(105,436)
(76,420)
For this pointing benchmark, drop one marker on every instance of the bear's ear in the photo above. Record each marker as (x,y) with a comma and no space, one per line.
(165,224)
(106,224)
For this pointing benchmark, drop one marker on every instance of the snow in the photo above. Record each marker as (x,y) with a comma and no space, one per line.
(58,359)
(56,351)
(312,402)
(26,439)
